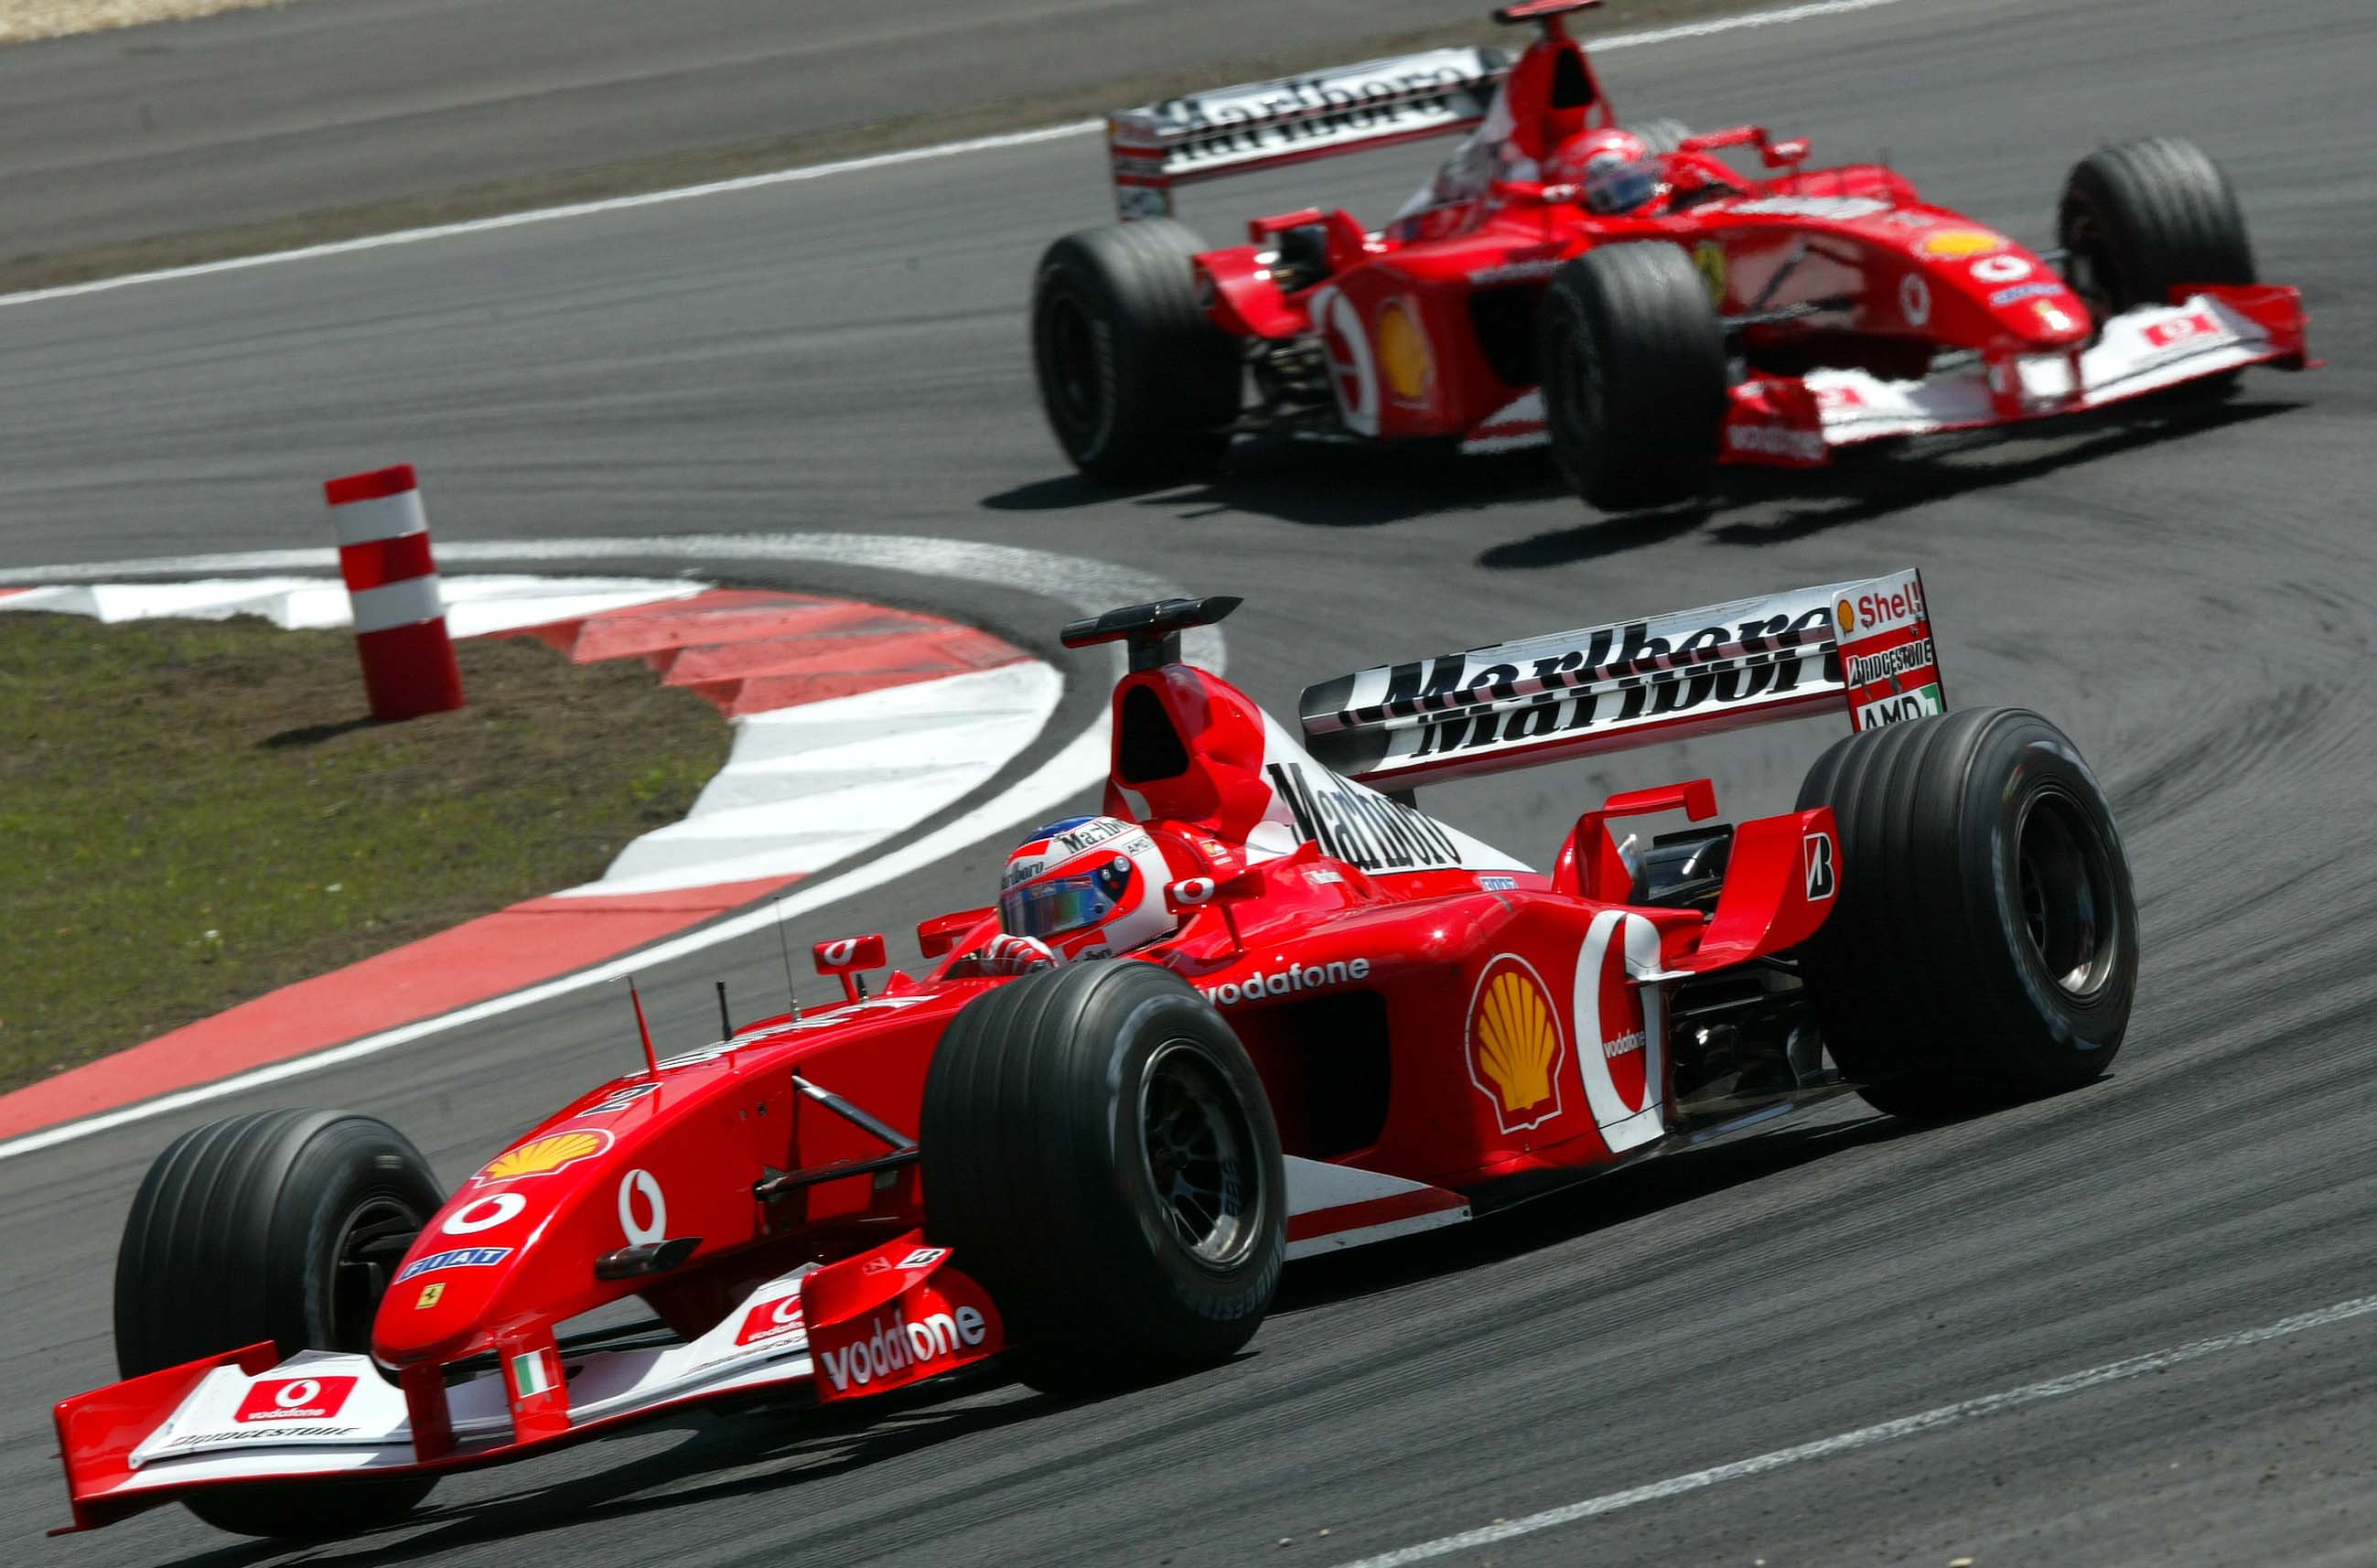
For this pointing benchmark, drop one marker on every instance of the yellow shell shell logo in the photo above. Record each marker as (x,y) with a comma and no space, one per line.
(1845,615)
(1515,1045)
(1955,243)
(1402,354)
(541,1156)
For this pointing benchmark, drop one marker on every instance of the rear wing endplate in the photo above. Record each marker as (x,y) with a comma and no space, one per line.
(1864,646)
(1237,130)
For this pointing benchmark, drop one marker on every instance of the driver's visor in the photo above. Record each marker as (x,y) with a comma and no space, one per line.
(1052,907)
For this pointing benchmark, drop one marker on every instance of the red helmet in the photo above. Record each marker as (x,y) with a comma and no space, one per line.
(1088,887)
(1612,168)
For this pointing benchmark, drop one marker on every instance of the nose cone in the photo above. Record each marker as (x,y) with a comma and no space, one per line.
(440,1295)
(2040,310)
(2020,297)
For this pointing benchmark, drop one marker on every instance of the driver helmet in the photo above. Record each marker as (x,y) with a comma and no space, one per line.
(1612,168)
(1088,887)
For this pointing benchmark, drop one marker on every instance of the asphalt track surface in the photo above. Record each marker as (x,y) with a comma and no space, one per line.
(2190,598)
(263,114)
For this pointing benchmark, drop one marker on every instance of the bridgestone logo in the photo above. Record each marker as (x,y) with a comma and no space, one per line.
(898,1344)
(255,1434)
(1775,440)
(1866,668)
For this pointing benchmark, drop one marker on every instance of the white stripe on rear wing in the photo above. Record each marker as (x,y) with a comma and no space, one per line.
(1237,130)
(1865,646)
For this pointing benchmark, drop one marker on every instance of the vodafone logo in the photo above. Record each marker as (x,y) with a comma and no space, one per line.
(1915,300)
(2180,329)
(840,951)
(639,1194)
(898,1347)
(1624,1082)
(295,1399)
(779,1318)
(1352,372)
(2000,268)
(494,1210)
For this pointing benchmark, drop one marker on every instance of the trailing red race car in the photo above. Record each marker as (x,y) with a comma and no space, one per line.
(1624,291)
(1258,1010)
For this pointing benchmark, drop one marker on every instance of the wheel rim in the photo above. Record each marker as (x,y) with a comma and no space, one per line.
(2088,265)
(371,1243)
(1197,1151)
(2071,920)
(1069,344)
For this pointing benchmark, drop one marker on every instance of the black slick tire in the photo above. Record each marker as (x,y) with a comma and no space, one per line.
(284,1226)
(1137,385)
(2139,219)
(1983,947)
(1632,360)
(1062,1117)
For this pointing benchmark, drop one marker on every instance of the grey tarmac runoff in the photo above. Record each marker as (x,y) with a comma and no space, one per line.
(2190,596)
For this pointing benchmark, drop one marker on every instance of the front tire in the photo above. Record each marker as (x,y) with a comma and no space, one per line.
(1137,385)
(1632,358)
(1984,947)
(284,1226)
(1098,1151)
(2140,219)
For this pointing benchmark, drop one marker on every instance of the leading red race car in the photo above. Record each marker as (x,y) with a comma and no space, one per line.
(1260,1009)
(1624,291)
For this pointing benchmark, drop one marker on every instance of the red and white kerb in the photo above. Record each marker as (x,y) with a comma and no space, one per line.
(400,615)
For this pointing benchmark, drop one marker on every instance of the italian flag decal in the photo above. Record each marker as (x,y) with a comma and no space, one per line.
(530,1375)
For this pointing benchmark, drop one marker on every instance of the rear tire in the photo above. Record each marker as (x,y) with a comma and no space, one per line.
(2139,219)
(284,1226)
(1983,944)
(1098,1152)
(1138,386)
(1633,367)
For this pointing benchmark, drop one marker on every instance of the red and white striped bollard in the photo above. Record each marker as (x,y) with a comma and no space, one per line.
(408,659)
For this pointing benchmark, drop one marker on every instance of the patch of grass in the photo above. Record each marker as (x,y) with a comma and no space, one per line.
(195,813)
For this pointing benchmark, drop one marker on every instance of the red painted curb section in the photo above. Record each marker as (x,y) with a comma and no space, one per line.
(746,650)
(504,952)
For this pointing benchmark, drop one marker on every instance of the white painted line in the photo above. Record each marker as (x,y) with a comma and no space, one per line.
(1086,585)
(1867,1437)
(475,606)
(823,170)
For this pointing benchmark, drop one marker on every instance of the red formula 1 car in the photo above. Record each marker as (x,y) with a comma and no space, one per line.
(1625,293)
(1349,1021)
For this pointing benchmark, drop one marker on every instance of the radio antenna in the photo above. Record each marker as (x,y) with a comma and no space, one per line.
(784,943)
(725,1019)
(643,1030)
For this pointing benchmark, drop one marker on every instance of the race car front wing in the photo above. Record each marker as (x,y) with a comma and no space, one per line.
(1799,422)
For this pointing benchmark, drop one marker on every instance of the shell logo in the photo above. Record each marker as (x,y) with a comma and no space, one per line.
(1515,1044)
(1957,244)
(542,1156)
(1403,355)
(1845,615)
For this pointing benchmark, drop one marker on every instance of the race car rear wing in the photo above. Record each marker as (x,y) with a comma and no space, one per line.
(1237,130)
(1865,646)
